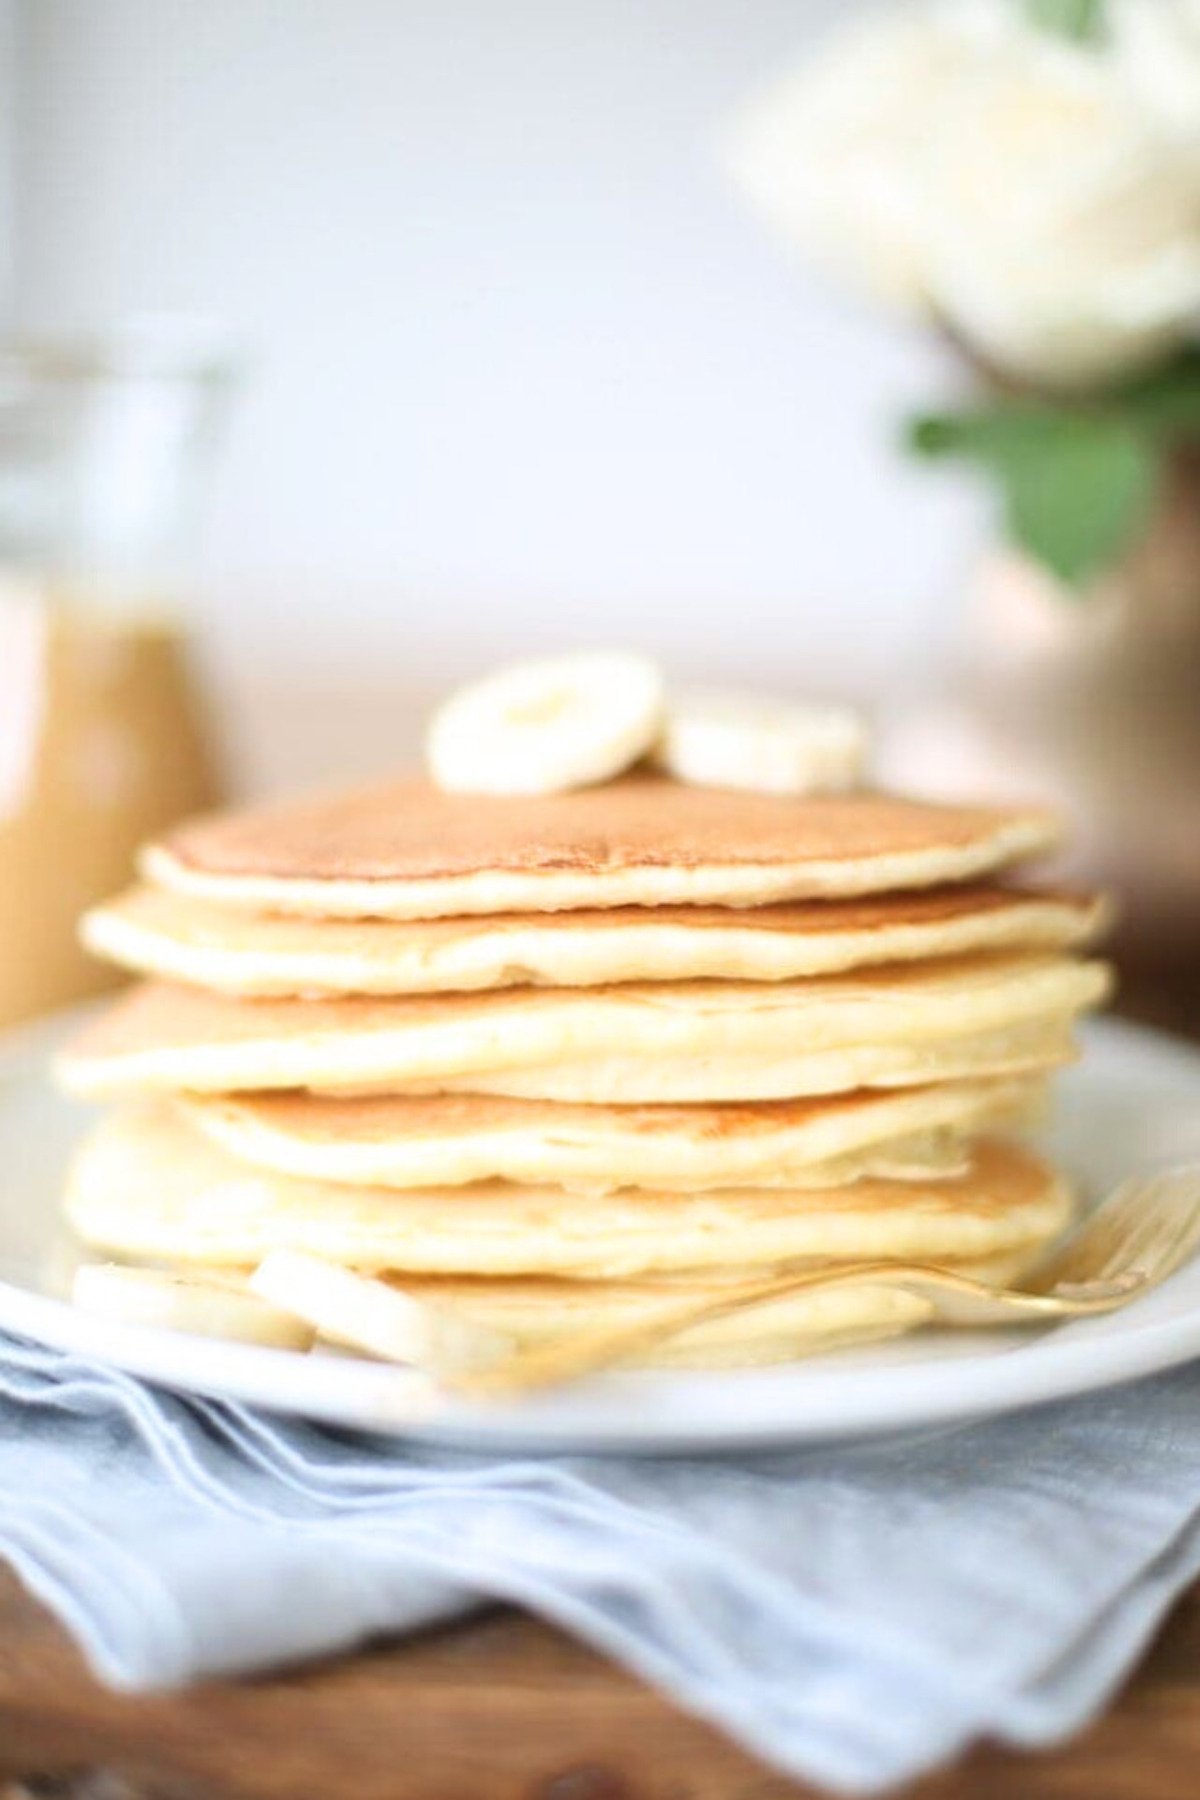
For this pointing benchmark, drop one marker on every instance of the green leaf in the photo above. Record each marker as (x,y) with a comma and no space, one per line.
(1166,402)
(987,432)
(1082,21)
(1080,496)
(1077,485)
(1078,476)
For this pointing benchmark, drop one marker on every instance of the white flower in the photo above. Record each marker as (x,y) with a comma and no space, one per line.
(1157,44)
(827,153)
(1041,196)
(1060,230)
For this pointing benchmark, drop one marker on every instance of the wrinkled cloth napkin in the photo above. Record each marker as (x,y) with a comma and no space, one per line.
(851,1614)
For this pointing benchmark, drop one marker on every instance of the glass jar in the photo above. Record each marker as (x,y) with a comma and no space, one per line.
(105,444)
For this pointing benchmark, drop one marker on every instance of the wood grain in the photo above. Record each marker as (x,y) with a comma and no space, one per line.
(503,1708)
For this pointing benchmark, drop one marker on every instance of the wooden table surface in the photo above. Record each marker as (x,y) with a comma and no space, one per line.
(503,1707)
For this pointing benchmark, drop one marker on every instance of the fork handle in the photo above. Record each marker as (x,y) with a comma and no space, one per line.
(958,1299)
(562,1359)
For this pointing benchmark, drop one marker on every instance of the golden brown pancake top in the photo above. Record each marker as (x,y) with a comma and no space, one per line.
(410,830)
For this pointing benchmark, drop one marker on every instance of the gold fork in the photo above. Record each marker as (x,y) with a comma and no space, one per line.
(1141,1234)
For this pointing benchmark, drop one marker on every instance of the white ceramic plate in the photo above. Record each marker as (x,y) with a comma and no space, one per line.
(1133,1104)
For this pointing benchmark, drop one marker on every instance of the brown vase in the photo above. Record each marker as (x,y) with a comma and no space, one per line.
(1093,702)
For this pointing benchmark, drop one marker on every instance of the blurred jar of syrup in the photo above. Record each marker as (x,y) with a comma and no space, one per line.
(105,447)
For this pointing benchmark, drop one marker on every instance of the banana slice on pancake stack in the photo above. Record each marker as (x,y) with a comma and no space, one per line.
(629,998)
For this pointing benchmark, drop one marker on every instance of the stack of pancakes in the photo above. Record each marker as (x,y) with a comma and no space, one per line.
(543,1061)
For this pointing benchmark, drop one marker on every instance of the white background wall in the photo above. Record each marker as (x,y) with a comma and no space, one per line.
(8,72)
(526,373)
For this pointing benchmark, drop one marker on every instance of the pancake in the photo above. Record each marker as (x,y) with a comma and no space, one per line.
(148,1185)
(164,1037)
(406,850)
(407,1141)
(534,1311)
(178,938)
(683,1080)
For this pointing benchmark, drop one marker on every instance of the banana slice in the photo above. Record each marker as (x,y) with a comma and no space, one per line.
(544,727)
(372,1315)
(770,747)
(186,1303)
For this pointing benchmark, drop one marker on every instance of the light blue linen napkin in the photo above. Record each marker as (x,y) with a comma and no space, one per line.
(853,1615)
